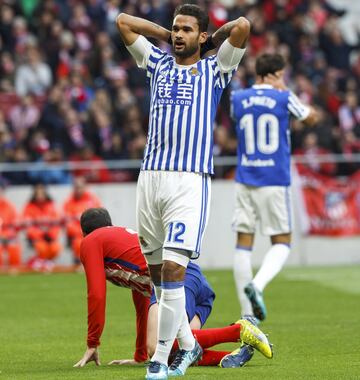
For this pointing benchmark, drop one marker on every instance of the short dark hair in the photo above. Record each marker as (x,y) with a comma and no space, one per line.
(269,64)
(195,11)
(94,218)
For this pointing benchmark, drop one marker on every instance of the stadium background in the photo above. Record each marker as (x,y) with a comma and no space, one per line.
(85,113)
(72,101)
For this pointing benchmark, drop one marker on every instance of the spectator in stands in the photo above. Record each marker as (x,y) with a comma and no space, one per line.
(9,226)
(351,146)
(42,222)
(78,93)
(79,200)
(73,137)
(96,171)
(52,175)
(18,155)
(7,141)
(7,16)
(309,151)
(33,76)
(20,35)
(23,117)
(65,55)
(81,50)
(349,114)
(7,72)
(80,24)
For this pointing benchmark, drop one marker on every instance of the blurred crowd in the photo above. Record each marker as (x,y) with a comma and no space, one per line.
(42,221)
(69,91)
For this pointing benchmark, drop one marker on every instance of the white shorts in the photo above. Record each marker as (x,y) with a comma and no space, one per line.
(172,210)
(268,205)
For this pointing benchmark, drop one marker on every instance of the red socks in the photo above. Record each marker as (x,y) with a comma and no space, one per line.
(211,337)
(212,358)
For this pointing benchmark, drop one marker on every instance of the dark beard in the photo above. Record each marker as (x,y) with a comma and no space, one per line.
(187,52)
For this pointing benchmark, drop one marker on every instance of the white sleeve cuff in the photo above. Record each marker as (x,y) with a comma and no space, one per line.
(140,50)
(229,56)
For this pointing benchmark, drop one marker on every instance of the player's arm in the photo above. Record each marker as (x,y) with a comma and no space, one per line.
(305,113)
(237,32)
(240,29)
(93,262)
(312,118)
(130,27)
(231,51)
(142,309)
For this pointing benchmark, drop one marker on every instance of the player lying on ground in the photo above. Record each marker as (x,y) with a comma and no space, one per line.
(113,253)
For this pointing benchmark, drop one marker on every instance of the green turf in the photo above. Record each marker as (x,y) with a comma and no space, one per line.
(314,323)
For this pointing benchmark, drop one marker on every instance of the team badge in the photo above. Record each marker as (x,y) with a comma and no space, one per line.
(194,71)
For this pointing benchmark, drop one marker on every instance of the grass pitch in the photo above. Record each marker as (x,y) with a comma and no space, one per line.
(314,323)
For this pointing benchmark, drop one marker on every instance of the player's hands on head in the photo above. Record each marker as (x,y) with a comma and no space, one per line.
(207,46)
(91,355)
(276,81)
(124,362)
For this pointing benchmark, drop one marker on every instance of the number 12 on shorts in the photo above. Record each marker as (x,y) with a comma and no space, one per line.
(176,232)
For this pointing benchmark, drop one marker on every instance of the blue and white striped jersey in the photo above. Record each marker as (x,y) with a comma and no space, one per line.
(262,116)
(184,100)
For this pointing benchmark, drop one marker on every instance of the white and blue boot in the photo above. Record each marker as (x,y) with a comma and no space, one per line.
(185,359)
(156,371)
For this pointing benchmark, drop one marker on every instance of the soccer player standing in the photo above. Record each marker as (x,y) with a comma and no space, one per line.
(173,189)
(262,115)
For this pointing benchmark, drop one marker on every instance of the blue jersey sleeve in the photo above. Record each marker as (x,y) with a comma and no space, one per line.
(299,110)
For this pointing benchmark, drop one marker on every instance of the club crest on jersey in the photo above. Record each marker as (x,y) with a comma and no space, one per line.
(194,72)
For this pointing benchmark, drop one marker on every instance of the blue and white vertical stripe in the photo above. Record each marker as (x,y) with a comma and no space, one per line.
(184,100)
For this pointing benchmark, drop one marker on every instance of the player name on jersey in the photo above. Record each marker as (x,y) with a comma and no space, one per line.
(264,101)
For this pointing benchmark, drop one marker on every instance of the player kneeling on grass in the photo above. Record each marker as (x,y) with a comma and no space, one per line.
(113,253)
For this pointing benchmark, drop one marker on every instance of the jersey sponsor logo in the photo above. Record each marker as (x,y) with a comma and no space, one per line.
(257,162)
(174,93)
(264,101)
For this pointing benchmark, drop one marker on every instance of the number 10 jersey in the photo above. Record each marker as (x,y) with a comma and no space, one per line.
(262,116)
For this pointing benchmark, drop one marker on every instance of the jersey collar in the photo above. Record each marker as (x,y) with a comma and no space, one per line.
(262,86)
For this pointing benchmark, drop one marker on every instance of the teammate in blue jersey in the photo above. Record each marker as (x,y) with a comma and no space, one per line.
(262,114)
(173,192)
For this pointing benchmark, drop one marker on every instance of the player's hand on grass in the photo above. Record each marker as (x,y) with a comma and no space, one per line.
(124,362)
(91,354)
